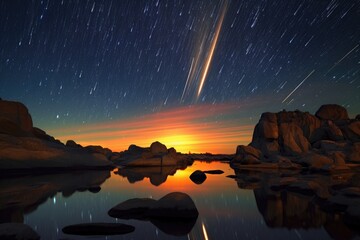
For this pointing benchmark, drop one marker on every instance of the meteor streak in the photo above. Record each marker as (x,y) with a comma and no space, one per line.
(342,59)
(212,49)
(298,86)
(203,47)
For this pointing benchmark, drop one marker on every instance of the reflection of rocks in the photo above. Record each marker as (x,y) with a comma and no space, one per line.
(198,177)
(292,200)
(157,175)
(175,213)
(22,195)
(325,142)
(86,229)
(16,231)
(156,155)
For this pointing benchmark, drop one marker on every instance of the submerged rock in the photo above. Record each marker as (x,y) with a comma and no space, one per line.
(198,177)
(17,231)
(174,214)
(172,205)
(86,229)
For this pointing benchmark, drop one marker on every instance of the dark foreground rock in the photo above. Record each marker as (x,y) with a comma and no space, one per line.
(175,213)
(17,231)
(198,177)
(86,229)
(325,142)
(25,147)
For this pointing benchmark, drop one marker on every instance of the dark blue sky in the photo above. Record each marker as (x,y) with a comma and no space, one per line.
(77,62)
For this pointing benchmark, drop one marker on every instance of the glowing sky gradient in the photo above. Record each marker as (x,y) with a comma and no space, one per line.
(183,128)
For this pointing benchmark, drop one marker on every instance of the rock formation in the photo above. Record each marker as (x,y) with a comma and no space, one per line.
(325,141)
(156,155)
(23,146)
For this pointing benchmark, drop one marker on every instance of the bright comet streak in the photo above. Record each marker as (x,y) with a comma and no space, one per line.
(212,49)
(298,86)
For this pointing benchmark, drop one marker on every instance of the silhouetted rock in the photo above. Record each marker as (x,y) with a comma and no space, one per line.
(213,172)
(332,112)
(173,206)
(158,148)
(156,155)
(86,229)
(17,231)
(198,177)
(72,144)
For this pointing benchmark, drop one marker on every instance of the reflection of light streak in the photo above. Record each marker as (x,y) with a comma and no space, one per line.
(298,85)
(204,231)
(212,49)
(342,58)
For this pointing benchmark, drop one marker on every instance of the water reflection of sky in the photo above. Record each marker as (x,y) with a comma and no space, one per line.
(225,211)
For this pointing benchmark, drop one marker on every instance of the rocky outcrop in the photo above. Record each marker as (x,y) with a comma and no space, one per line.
(156,155)
(24,147)
(324,142)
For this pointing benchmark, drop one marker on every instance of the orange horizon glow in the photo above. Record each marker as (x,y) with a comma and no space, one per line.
(188,129)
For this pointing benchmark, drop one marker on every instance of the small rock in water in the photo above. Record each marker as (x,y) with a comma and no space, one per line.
(198,177)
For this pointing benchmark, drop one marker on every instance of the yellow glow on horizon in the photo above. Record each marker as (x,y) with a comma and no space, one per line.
(184,128)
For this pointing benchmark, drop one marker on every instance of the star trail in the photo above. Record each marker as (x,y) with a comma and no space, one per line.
(77,64)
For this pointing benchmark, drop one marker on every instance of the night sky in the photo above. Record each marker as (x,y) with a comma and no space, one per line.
(193,74)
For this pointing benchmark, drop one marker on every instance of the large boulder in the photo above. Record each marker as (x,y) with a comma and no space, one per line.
(332,112)
(16,113)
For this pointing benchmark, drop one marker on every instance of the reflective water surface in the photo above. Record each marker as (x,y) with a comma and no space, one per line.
(242,207)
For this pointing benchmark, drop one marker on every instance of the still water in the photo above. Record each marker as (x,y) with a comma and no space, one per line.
(228,208)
